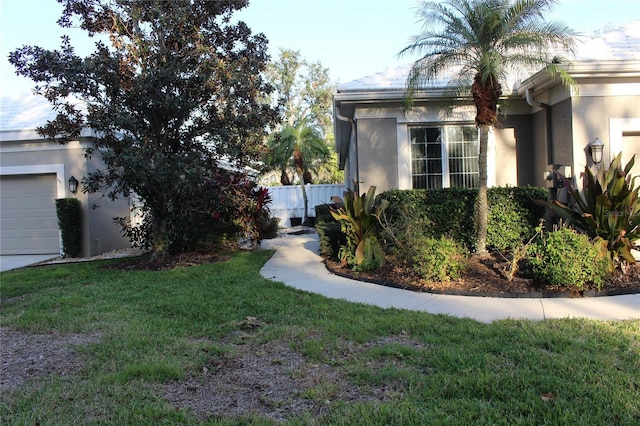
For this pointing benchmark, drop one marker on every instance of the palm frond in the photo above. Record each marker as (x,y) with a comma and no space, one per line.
(485,37)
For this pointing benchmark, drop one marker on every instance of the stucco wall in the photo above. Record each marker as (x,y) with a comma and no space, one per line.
(592,119)
(378,153)
(104,234)
(514,152)
(562,133)
(540,155)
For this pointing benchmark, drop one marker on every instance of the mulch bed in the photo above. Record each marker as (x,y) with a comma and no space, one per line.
(484,278)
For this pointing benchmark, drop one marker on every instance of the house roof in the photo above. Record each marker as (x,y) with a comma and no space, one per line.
(621,44)
(21,115)
(24,112)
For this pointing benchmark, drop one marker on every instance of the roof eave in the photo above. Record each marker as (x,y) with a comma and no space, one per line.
(581,70)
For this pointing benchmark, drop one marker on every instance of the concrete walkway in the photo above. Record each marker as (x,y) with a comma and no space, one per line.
(20,261)
(297,264)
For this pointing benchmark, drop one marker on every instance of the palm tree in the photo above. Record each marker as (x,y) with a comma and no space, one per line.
(482,40)
(302,145)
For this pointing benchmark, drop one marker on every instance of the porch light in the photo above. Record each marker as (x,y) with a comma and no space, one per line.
(596,148)
(73,185)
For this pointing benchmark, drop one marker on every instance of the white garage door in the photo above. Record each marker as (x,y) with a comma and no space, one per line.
(28,221)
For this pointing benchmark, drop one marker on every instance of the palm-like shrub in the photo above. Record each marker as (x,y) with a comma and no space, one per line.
(359,218)
(607,209)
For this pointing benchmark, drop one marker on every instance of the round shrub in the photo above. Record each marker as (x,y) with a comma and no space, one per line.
(438,259)
(567,258)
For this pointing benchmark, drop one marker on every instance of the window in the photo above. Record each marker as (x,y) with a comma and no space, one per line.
(443,157)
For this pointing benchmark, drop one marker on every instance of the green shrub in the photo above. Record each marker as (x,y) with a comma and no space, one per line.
(331,238)
(323,213)
(608,208)
(444,211)
(567,258)
(513,215)
(269,229)
(438,259)
(69,212)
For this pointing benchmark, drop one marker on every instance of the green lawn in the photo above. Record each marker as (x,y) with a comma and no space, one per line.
(303,358)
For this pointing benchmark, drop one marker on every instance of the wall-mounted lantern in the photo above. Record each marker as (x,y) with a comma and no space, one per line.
(73,185)
(596,148)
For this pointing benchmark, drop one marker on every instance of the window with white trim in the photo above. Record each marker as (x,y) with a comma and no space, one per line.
(444,157)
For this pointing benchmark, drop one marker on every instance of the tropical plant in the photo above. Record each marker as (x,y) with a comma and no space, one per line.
(479,41)
(303,145)
(608,208)
(359,217)
(303,91)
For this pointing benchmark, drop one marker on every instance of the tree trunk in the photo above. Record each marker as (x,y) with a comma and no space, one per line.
(482,204)
(306,177)
(160,244)
(486,96)
(284,178)
(298,160)
(306,203)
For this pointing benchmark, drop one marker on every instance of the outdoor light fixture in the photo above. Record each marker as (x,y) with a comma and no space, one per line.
(73,185)
(595,148)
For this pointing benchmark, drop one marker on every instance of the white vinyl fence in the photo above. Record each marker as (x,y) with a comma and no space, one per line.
(287,201)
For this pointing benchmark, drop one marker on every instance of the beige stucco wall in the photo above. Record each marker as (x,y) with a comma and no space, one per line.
(378,153)
(514,152)
(97,223)
(104,234)
(562,133)
(592,119)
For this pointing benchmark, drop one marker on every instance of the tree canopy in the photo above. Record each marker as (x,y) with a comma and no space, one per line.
(177,89)
(477,42)
(304,91)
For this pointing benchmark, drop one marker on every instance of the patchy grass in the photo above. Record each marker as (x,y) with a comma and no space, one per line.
(218,344)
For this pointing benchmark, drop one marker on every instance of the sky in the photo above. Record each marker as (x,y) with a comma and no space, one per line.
(353,38)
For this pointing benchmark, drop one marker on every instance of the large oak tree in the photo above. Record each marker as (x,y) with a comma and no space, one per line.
(172,88)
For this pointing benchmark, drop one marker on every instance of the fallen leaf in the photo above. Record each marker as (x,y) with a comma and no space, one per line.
(546,397)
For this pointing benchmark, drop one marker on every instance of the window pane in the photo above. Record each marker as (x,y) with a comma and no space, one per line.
(462,145)
(426,157)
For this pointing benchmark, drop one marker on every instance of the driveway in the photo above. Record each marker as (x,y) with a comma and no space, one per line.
(20,261)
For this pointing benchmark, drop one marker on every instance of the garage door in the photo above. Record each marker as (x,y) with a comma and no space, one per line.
(28,221)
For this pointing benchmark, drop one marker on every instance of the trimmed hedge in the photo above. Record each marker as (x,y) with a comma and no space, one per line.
(513,216)
(69,212)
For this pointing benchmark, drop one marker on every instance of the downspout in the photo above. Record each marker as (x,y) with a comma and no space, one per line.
(355,143)
(547,115)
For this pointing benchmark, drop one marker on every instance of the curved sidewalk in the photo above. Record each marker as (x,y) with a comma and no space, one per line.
(297,264)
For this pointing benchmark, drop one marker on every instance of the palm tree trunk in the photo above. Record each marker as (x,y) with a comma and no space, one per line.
(306,203)
(482,205)
(298,160)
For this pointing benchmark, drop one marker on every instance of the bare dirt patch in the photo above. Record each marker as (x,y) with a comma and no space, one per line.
(267,379)
(184,260)
(30,356)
